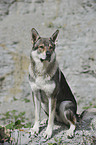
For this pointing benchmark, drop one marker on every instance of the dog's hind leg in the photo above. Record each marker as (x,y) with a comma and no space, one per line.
(35,129)
(72,122)
(67,113)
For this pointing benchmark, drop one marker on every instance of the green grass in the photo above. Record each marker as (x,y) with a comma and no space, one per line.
(86,107)
(12,120)
(13,116)
(56,142)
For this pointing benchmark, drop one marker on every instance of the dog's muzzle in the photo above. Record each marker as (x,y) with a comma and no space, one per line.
(48,57)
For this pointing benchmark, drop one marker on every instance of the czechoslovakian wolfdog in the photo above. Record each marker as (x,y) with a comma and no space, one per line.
(49,87)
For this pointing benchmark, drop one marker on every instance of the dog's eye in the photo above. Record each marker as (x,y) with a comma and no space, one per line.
(41,47)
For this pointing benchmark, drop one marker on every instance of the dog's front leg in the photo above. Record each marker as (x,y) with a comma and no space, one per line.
(35,129)
(52,106)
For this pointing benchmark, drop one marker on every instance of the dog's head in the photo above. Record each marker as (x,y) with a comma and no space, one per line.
(43,46)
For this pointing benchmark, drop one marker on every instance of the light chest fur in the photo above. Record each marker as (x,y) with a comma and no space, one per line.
(41,78)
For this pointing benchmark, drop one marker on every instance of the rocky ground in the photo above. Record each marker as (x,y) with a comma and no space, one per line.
(76,54)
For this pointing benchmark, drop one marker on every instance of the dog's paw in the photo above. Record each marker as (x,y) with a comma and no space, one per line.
(70,133)
(34,130)
(48,133)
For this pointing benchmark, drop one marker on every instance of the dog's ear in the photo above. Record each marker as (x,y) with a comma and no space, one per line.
(35,35)
(54,36)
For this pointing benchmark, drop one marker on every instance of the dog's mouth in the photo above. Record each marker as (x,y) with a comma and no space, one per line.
(46,59)
(45,56)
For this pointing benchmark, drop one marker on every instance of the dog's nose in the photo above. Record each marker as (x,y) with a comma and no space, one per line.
(48,54)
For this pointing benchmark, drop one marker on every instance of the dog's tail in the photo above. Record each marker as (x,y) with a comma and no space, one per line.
(87,118)
(88,113)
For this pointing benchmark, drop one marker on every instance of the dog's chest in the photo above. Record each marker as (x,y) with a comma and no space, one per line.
(42,80)
(45,84)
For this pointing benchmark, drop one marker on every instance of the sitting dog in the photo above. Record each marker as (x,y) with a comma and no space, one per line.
(49,87)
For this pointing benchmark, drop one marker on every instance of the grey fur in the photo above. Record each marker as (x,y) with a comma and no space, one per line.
(46,78)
